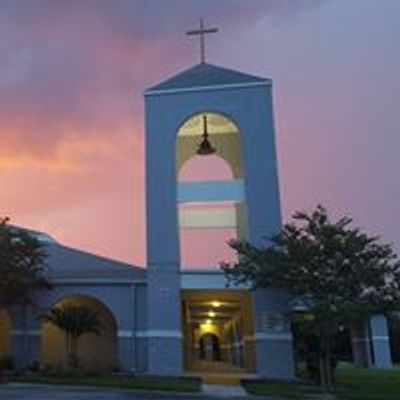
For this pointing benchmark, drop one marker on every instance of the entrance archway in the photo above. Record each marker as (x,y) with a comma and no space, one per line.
(210,349)
(94,352)
(5,339)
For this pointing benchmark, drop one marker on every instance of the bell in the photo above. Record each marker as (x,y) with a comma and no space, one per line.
(205,147)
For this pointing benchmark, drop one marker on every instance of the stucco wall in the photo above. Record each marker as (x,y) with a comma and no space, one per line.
(124,301)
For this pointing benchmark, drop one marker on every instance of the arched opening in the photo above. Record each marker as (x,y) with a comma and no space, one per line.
(210,347)
(224,137)
(97,352)
(211,200)
(5,340)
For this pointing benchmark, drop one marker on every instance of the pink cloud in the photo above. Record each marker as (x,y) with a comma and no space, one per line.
(72,75)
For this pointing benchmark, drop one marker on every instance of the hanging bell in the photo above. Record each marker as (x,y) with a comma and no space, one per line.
(205,148)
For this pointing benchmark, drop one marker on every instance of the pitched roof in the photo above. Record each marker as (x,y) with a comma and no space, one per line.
(206,75)
(71,264)
(68,264)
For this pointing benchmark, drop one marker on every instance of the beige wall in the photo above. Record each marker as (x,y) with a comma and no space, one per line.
(95,352)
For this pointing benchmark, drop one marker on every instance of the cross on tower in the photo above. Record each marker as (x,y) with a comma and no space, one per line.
(202,32)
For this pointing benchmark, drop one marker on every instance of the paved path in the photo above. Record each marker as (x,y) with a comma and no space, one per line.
(24,391)
(49,392)
(228,391)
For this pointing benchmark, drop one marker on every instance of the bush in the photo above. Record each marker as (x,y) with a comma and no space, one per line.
(6,364)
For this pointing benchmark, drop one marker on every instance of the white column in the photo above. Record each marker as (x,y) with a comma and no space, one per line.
(380,342)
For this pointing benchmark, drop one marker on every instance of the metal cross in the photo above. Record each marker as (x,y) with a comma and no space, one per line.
(202,32)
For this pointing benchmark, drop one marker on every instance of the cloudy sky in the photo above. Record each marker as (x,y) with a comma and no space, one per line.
(72,74)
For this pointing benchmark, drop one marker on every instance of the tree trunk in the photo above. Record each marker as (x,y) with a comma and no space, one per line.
(74,360)
(325,361)
(329,364)
(67,349)
(25,348)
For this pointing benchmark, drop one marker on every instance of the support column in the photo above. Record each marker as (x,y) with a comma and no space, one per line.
(126,337)
(165,339)
(273,336)
(380,342)
(25,347)
(164,321)
(26,337)
(126,350)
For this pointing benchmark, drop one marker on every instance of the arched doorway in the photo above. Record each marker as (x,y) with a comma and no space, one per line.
(210,349)
(94,352)
(5,340)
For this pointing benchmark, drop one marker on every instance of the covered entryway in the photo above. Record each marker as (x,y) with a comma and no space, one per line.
(5,340)
(94,352)
(218,330)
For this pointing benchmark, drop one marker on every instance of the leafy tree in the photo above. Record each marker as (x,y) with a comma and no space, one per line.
(394,329)
(75,321)
(22,258)
(335,270)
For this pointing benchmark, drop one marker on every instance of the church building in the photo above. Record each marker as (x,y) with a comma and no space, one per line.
(167,319)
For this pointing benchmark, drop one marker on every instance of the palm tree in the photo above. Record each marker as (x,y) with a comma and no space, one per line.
(74,321)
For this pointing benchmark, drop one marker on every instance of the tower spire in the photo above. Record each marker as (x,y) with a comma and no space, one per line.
(202,32)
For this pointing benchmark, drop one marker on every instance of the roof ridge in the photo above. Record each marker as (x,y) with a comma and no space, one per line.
(206,75)
(101,257)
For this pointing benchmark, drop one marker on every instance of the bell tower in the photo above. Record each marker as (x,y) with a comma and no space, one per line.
(205,92)
(208,111)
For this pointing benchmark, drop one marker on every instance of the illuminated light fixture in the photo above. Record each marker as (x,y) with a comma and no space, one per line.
(205,148)
(208,322)
(216,304)
(212,314)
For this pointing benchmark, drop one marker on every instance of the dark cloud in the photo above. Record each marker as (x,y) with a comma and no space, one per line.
(76,67)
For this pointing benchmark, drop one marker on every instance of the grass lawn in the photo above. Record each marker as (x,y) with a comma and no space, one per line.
(123,382)
(280,389)
(352,384)
(368,384)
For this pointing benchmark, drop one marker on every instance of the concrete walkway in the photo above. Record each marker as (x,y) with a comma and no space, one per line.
(25,391)
(16,391)
(228,391)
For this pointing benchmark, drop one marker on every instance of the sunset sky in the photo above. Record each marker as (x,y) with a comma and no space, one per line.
(72,75)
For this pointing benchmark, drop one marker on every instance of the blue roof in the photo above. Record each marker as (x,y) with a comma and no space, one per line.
(206,75)
(67,263)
